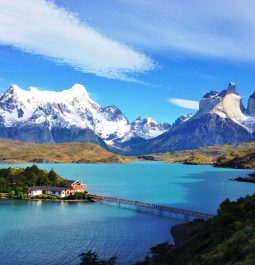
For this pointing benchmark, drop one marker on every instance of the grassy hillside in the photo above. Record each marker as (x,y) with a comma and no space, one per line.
(236,156)
(23,152)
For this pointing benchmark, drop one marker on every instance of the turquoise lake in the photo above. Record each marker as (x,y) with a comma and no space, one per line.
(56,233)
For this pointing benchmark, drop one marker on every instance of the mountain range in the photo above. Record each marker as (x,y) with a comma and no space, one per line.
(72,116)
(68,116)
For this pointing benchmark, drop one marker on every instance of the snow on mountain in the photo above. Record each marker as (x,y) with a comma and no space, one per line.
(71,108)
(146,128)
(226,104)
(182,119)
(221,119)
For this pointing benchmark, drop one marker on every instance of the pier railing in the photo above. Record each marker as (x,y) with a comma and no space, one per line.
(179,211)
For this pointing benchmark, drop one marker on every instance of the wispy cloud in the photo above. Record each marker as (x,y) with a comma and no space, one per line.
(220,28)
(184,103)
(43,28)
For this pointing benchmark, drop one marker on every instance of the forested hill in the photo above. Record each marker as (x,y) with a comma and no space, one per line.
(18,179)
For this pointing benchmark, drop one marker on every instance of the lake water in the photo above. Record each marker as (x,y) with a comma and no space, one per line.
(55,233)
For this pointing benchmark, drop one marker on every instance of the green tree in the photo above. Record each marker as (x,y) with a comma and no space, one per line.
(91,258)
(21,195)
(3,185)
(12,194)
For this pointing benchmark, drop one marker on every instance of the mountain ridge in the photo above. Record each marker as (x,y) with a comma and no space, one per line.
(67,116)
(221,119)
(72,116)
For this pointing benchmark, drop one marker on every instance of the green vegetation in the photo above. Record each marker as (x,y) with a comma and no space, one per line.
(46,197)
(78,196)
(227,239)
(234,156)
(14,181)
(91,258)
(25,152)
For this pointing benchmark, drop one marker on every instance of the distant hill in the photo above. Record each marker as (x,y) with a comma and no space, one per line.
(233,156)
(23,152)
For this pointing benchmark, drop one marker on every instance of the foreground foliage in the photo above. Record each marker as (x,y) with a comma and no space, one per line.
(91,258)
(16,180)
(227,239)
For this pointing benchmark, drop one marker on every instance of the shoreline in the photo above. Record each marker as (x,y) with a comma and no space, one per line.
(46,200)
(134,160)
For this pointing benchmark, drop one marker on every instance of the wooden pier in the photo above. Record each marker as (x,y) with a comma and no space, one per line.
(179,211)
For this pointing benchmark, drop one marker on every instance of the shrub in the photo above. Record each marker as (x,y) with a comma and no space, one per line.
(78,196)
(45,197)
(12,194)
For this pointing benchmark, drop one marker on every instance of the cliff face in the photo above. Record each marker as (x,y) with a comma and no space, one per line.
(251,105)
(220,120)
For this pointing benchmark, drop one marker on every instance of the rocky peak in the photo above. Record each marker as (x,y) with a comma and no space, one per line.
(232,88)
(252,95)
(147,128)
(211,95)
(113,113)
(251,105)
(144,120)
(182,119)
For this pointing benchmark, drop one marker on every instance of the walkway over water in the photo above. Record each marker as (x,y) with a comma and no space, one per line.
(183,212)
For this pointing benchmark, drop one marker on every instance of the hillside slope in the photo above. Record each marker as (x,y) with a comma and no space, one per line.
(233,156)
(227,239)
(23,152)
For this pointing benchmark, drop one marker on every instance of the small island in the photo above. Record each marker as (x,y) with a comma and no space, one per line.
(32,183)
(250,179)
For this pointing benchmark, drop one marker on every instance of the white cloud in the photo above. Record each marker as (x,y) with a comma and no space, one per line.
(222,29)
(184,103)
(41,27)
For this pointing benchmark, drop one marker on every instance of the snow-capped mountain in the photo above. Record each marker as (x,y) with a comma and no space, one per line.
(182,119)
(228,105)
(146,128)
(221,119)
(71,115)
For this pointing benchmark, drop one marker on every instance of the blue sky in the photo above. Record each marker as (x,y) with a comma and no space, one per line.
(146,57)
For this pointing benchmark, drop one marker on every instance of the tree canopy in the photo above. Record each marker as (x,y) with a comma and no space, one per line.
(18,179)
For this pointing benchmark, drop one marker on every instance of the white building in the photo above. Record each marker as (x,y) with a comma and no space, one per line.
(76,186)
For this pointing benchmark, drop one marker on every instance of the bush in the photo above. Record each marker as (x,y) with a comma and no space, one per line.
(21,195)
(12,194)
(45,197)
(91,258)
(78,196)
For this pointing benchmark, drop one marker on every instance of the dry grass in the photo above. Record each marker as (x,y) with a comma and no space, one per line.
(23,152)
(238,156)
